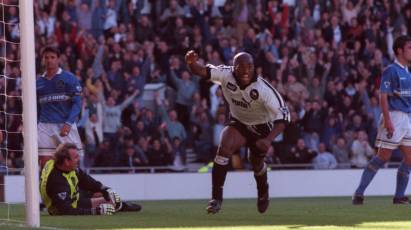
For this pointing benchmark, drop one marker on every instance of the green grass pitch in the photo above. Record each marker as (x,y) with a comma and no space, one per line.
(299,213)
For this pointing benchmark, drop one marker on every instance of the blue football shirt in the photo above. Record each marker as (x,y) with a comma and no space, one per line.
(59,98)
(396,82)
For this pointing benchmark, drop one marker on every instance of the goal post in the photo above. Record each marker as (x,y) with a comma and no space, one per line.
(28,70)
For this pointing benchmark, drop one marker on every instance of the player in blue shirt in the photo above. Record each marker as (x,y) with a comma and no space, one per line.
(59,105)
(394,130)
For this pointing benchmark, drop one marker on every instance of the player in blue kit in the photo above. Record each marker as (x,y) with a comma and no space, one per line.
(394,130)
(59,106)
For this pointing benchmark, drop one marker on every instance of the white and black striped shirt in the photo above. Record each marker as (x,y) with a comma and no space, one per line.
(258,103)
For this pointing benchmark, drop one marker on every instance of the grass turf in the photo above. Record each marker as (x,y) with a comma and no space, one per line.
(299,213)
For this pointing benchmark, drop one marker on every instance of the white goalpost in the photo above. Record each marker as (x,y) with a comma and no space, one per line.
(31,169)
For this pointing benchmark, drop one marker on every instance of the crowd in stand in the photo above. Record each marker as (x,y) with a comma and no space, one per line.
(325,57)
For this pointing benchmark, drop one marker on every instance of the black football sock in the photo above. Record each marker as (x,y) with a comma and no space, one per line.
(261,178)
(219,173)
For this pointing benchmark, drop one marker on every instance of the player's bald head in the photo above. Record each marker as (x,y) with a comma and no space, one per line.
(243,57)
(243,68)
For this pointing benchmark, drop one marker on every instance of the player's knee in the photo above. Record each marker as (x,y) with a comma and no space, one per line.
(407,159)
(260,169)
(224,151)
(384,155)
(255,157)
(376,163)
(257,163)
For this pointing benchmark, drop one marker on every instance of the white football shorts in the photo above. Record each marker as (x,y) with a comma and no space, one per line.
(49,138)
(402,131)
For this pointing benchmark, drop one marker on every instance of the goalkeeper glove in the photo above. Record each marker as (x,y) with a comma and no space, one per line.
(110,195)
(104,209)
(116,200)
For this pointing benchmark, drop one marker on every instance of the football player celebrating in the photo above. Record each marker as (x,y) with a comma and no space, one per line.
(258,114)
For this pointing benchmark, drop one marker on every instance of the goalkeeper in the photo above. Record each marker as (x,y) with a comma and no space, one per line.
(67,190)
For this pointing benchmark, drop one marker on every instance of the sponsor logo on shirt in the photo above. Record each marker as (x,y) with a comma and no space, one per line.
(243,103)
(403,93)
(54,98)
(231,86)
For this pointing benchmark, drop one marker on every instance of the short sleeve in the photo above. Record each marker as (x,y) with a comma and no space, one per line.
(219,74)
(387,81)
(75,88)
(276,106)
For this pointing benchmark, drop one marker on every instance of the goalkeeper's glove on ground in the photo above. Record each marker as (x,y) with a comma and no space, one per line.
(110,195)
(104,209)
(116,200)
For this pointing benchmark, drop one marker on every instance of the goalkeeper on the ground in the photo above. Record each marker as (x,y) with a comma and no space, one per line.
(67,190)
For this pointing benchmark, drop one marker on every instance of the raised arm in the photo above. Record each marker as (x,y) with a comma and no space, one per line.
(194,66)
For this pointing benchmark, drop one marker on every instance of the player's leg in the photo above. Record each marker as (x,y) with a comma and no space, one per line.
(74,137)
(231,141)
(371,169)
(385,144)
(46,142)
(259,167)
(403,175)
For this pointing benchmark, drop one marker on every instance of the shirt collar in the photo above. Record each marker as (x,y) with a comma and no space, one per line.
(402,66)
(59,71)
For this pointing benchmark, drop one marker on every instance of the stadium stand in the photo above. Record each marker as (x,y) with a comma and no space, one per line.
(325,57)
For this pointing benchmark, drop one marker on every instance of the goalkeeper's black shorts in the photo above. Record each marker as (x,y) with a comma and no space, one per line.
(84,200)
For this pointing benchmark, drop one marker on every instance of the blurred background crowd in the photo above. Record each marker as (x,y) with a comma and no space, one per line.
(324,56)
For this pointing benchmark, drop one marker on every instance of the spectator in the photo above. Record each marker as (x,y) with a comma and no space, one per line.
(341,152)
(185,91)
(93,129)
(112,114)
(361,150)
(300,153)
(170,122)
(131,158)
(178,155)
(324,159)
(335,52)
(159,153)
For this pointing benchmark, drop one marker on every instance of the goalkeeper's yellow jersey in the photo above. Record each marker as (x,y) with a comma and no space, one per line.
(60,190)
(71,179)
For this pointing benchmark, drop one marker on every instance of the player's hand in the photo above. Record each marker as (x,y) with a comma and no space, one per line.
(65,130)
(116,200)
(389,127)
(263,144)
(105,209)
(191,57)
(113,197)
(106,193)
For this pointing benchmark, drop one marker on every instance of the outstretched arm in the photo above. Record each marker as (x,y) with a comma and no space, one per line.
(194,66)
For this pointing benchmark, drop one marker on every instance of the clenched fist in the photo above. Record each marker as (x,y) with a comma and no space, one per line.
(191,57)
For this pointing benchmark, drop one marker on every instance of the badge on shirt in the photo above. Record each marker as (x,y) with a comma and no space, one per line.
(254,94)
(231,86)
(284,111)
(62,195)
(387,84)
(60,84)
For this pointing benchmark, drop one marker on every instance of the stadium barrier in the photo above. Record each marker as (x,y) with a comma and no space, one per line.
(283,183)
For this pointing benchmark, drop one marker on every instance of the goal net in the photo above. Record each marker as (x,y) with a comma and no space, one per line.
(17,81)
